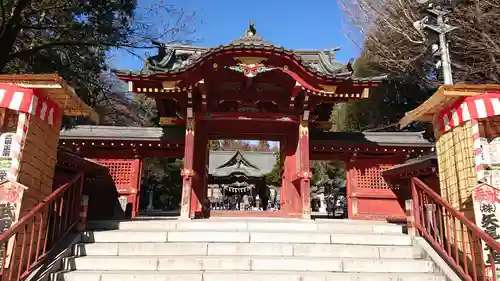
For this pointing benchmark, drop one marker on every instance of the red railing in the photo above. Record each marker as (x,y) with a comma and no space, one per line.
(37,232)
(457,239)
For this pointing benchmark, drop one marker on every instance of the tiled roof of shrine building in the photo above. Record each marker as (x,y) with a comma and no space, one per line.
(248,163)
(181,57)
(90,132)
(402,139)
(174,59)
(428,160)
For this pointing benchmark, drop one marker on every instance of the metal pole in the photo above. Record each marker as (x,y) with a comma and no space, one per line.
(445,54)
(441,28)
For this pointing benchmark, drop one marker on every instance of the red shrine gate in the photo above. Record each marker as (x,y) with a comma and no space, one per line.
(371,194)
(251,89)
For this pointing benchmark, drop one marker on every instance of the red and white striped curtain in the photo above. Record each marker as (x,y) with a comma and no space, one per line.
(470,108)
(29,101)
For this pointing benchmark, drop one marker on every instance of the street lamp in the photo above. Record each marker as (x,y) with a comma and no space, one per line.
(441,29)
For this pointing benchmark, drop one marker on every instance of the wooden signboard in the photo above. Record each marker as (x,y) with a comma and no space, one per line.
(11,194)
(170,121)
(486,200)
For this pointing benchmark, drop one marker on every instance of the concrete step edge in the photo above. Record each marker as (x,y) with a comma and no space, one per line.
(250,264)
(96,245)
(240,223)
(363,246)
(323,231)
(252,273)
(249,249)
(243,257)
(244,222)
(273,272)
(243,219)
(375,222)
(239,231)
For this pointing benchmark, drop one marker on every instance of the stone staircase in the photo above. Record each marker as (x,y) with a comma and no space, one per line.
(246,250)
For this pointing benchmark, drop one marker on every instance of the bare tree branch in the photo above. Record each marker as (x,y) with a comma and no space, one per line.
(3,18)
(22,36)
(391,40)
(49,45)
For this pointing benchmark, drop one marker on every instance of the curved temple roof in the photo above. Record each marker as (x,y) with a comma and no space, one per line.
(180,57)
(413,164)
(248,163)
(115,133)
(175,59)
(408,139)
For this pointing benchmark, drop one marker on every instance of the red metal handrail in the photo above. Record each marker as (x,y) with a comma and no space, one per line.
(453,236)
(44,226)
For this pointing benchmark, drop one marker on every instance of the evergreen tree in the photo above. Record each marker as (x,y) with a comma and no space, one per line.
(274,177)
(386,105)
(215,145)
(263,146)
(74,39)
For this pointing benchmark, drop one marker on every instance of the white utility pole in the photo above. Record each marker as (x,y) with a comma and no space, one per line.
(441,28)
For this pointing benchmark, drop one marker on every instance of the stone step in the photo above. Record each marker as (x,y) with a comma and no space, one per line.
(349,221)
(276,219)
(247,263)
(331,226)
(245,237)
(245,249)
(239,276)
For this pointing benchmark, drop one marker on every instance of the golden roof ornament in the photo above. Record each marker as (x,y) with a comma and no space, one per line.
(251,29)
(251,32)
(250,35)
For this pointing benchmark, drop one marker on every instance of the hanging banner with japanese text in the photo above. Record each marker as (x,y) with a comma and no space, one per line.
(486,200)
(11,194)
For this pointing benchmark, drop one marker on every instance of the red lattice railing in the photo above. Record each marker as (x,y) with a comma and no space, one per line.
(34,236)
(123,172)
(457,239)
(371,177)
(120,171)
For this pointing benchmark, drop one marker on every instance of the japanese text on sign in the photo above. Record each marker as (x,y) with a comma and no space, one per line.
(487,211)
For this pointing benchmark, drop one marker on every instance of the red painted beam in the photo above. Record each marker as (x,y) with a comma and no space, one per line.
(128,153)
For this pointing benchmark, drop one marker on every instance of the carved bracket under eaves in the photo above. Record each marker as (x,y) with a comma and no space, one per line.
(250,66)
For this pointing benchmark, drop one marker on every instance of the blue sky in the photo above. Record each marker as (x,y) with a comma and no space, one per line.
(294,24)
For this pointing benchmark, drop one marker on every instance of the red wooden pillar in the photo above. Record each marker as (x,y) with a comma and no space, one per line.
(295,191)
(187,171)
(289,197)
(352,203)
(135,209)
(289,194)
(304,174)
(198,193)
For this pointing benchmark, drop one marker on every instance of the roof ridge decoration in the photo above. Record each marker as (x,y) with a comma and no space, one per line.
(250,66)
(250,36)
(237,159)
(163,57)
(169,57)
(180,60)
(326,62)
(177,59)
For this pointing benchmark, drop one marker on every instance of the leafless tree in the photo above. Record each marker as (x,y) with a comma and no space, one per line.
(390,39)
